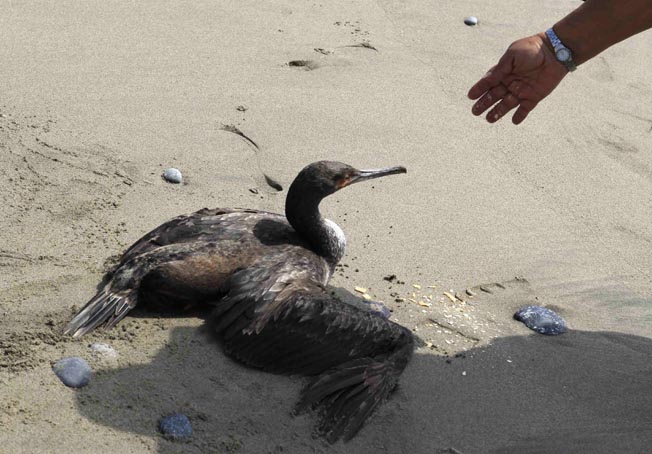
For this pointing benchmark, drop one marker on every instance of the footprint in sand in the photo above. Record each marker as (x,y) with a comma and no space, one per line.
(504,298)
(311,65)
(515,291)
(329,57)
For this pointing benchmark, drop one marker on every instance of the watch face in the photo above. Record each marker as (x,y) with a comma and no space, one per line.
(563,54)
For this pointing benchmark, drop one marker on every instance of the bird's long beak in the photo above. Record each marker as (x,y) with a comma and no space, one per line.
(364,175)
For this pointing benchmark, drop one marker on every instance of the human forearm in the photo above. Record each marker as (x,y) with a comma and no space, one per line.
(599,24)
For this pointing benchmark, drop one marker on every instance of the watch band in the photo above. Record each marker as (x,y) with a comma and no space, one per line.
(559,47)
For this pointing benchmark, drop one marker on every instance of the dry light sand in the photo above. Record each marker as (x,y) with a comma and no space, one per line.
(98,97)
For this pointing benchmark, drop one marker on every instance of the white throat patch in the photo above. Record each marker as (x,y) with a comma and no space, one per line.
(336,237)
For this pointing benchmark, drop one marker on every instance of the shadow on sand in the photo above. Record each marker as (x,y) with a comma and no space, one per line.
(582,392)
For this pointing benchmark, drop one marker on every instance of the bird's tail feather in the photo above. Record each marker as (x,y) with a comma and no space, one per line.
(349,393)
(105,308)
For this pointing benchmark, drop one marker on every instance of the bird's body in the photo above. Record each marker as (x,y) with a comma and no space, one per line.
(264,275)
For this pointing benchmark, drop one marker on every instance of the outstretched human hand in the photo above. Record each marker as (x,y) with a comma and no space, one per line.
(526,73)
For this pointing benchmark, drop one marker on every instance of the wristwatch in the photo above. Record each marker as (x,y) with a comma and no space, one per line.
(562,53)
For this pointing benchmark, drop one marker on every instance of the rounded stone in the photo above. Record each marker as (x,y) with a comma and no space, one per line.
(471,21)
(73,372)
(542,320)
(175,427)
(173,175)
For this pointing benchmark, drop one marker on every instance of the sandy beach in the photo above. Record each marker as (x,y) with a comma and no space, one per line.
(98,98)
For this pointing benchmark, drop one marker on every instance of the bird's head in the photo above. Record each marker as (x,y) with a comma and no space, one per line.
(316,181)
(323,178)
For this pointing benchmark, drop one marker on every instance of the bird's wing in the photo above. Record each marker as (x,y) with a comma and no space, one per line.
(258,293)
(291,324)
(195,268)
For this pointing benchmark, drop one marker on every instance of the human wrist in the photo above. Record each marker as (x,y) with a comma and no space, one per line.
(549,49)
(562,53)
(582,49)
(546,42)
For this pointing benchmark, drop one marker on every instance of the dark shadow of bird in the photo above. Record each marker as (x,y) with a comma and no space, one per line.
(264,274)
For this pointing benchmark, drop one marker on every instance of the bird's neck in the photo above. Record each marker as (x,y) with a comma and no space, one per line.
(325,236)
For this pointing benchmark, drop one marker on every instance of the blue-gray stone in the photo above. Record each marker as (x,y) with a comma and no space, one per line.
(175,427)
(471,21)
(173,175)
(73,371)
(542,320)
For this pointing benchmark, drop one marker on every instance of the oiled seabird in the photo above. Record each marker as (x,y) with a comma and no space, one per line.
(264,274)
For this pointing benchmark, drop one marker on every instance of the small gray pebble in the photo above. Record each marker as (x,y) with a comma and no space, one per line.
(471,21)
(542,320)
(73,371)
(175,427)
(103,351)
(173,175)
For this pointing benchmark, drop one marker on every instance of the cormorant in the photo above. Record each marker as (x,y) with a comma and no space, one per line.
(264,274)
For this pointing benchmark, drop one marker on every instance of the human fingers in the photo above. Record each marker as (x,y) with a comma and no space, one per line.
(526,100)
(508,103)
(489,99)
(523,111)
(493,78)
